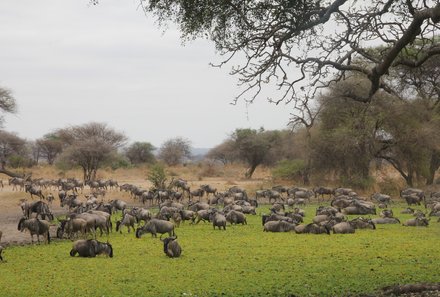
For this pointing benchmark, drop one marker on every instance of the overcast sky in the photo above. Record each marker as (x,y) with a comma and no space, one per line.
(69,63)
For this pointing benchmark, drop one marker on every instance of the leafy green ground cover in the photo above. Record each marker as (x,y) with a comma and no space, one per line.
(241,261)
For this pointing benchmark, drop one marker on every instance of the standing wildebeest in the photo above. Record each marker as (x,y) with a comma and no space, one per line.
(155,226)
(31,189)
(218,220)
(381,198)
(171,247)
(35,227)
(128,220)
(38,207)
(72,227)
(91,248)
(321,191)
(16,181)
(208,189)
(118,204)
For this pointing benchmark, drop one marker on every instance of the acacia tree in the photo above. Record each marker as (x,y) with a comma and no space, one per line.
(90,146)
(254,147)
(175,150)
(11,147)
(10,144)
(322,39)
(140,152)
(49,147)
(225,152)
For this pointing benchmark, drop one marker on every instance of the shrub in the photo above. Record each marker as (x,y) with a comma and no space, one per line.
(157,176)
(289,169)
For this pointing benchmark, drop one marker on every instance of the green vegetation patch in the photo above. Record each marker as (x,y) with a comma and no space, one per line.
(241,261)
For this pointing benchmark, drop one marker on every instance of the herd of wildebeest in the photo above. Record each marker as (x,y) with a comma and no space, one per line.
(162,210)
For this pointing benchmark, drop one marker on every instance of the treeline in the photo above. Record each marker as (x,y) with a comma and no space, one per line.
(329,136)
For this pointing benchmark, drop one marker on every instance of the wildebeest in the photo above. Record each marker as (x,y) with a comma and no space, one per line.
(321,191)
(127,220)
(386,220)
(416,222)
(91,248)
(358,210)
(362,223)
(171,247)
(118,204)
(235,217)
(278,226)
(39,207)
(17,181)
(72,227)
(208,189)
(312,228)
(155,226)
(218,220)
(381,198)
(343,228)
(31,189)
(35,227)
(413,196)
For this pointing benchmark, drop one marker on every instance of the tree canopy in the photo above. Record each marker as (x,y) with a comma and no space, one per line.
(301,46)
(89,146)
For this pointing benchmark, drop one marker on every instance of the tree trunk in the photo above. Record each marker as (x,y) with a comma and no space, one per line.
(433,166)
(14,174)
(251,171)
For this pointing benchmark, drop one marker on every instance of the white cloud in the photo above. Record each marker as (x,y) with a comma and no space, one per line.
(69,63)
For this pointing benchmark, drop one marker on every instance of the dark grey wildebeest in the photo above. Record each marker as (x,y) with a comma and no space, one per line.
(155,226)
(39,207)
(35,227)
(171,247)
(278,226)
(91,248)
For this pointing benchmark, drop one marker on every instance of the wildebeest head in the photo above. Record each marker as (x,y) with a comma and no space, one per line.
(20,224)
(171,247)
(166,241)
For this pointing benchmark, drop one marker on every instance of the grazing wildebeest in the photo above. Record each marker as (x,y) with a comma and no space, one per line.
(38,207)
(155,226)
(235,217)
(208,189)
(128,220)
(36,227)
(91,248)
(321,191)
(171,247)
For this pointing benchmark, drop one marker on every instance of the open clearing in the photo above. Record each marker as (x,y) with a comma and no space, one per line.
(241,261)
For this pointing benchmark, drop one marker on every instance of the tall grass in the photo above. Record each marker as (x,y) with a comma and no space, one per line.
(241,261)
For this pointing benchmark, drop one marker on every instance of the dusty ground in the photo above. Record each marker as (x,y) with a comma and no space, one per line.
(10,200)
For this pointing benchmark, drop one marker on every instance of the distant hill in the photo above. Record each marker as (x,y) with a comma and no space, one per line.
(196,151)
(199,153)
